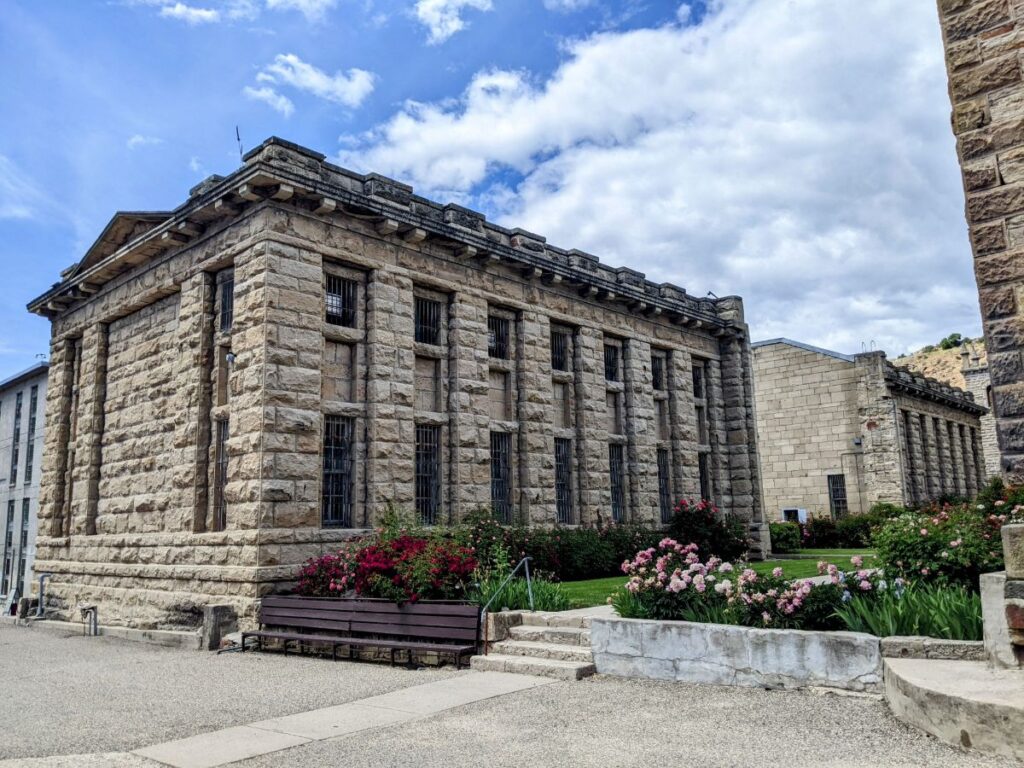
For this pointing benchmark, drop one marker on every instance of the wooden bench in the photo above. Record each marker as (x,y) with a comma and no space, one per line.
(431,626)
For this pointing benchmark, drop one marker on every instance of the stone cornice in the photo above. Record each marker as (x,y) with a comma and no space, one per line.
(292,175)
(926,388)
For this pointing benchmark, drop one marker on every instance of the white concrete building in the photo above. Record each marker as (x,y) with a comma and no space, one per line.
(22,400)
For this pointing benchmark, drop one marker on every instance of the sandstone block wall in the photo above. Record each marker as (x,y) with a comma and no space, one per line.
(983,58)
(146,514)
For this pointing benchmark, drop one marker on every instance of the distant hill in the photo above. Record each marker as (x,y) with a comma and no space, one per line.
(942,364)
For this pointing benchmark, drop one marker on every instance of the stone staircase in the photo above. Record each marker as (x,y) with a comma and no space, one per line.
(545,644)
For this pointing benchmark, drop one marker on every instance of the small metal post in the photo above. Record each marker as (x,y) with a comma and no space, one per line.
(529,585)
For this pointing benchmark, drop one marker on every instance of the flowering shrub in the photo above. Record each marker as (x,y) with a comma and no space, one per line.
(947,545)
(410,568)
(701,524)
(319,574)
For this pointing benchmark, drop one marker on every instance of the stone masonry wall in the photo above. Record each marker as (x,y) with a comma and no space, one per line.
(979,383)
(983,42)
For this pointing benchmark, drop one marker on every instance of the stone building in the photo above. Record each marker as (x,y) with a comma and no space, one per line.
(254,377)
(838,433)
(983,60)
(22,398)
(978,382)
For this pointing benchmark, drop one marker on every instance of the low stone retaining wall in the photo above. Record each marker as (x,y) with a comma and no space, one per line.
(730,655)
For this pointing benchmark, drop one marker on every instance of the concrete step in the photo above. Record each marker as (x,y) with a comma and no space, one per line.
(544,650)
(526,665)
(556,635)
(555,620)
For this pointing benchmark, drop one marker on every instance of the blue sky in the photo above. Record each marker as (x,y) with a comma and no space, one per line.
(795,153)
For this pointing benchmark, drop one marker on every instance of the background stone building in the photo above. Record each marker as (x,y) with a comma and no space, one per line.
(248,380)
(838,433)
(22,399)
(983,59)
(978,382)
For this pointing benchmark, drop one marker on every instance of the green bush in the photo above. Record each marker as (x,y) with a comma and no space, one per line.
(821,533)
(951,613)
(786,537)
(547,595)
(700,523)
(952,545)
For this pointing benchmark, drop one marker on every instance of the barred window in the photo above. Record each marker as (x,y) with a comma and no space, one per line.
(704,470)
(664,486)
(698,380)
(226,290)
(498,333)
(428,321)
(560,352)
(501,476)
(220,476)
(428,473)
(30,448)
(342,301)
(837,496)
(23,544)
(658,372)
(16,447)
(5,582)
(616,464)
(339,464)
(563,481)
(611,362)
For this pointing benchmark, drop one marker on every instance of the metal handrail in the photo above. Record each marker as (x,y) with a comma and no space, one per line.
(525,564)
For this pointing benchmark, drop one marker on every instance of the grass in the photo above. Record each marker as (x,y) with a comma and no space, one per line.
(583,594)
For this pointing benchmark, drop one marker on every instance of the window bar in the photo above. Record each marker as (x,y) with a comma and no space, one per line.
(560,350)
(8,549)
(705,477)
(698,380)
(616,462)
(428,473)
(342,301)
(498,332)
(611,362)
(227,299)
(563,480)
(338,471)
(428,321)
(837,495)
(220,476)
(16,447)
(664,490)
(501,476)
(658,372)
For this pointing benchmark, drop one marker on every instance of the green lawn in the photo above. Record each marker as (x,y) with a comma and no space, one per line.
(583,594)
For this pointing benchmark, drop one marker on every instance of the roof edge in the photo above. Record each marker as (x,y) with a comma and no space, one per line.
(805,347)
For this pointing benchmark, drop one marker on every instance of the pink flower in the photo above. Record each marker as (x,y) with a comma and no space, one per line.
(857,561)
(865,585)
(777,573)
(924,531)
(766,617)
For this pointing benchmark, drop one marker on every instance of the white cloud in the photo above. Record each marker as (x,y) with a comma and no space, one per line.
(189,14)
(138,140)
(272,98)
(346,88)
(20,198)
(567,6)
(797,153)
(313,10)
(444,17)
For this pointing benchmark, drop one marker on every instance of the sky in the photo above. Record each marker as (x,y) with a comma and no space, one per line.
(794,152)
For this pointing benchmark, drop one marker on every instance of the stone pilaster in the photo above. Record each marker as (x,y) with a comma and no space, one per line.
(882,432)
(931,450)
(919,471)
(947,476)
(92,399)
(536,430)
(592,452)
(641,446)
(470,415)
(52,485)
(987,93)
(391,361)
(970,467)
(719,459)
(956,449)
(739,429)
(683,424)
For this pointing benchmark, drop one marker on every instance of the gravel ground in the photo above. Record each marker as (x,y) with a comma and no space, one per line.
(74,695)
(607,722)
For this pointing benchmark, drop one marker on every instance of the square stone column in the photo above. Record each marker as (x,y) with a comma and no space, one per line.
(592,422)
(718,461)
(641,446)
(469,404)
(947,476)
(934,461)
(683,425)
(917,458)
(56,435)
(970,467)
(536,428)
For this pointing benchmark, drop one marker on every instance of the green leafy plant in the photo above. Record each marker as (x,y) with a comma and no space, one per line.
(952,613)
(700,523)
(785,537)
(547,595)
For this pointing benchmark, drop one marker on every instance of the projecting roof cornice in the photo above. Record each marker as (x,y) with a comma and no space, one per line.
(927,388)
(291,175)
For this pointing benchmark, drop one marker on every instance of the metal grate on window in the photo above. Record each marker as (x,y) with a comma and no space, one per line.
(563,481)
(501,476)
(611,362)
(16,447)
(837,495)
(30,448)
(8,560)
(664,488)
(698,380)
(616,465)
(706,491)
(428,473)
(342,300)
(658,372)
(220,476)
(226,282)
(498,333)
(428,321)
(560,350)
(339,465)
